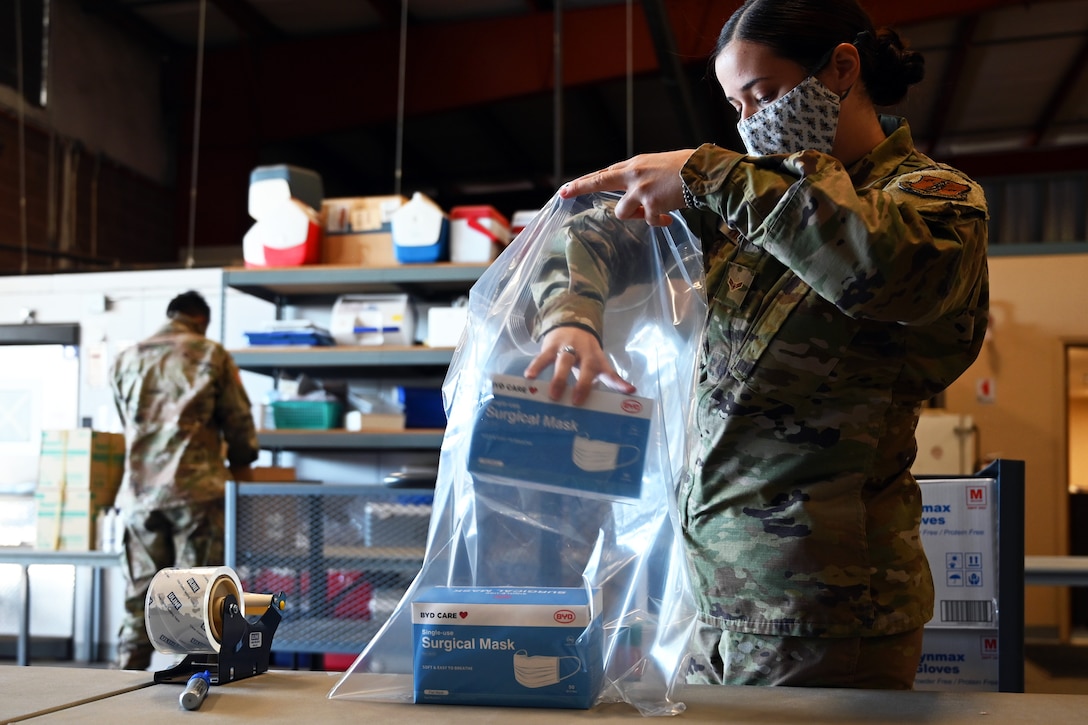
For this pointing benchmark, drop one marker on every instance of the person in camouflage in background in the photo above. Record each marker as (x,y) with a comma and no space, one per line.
(180,399)
(847,280)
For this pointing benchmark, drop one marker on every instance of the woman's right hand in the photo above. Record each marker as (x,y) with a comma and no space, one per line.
(574,349)
(650,182)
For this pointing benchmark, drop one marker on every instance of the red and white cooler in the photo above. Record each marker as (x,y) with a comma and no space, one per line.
(477,233)
(288,234)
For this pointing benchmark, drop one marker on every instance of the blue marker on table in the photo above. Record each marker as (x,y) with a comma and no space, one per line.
(196,689)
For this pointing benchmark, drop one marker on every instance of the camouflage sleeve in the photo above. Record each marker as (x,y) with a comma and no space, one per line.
(893,253)
(115,389)
(235,416)
(587,261)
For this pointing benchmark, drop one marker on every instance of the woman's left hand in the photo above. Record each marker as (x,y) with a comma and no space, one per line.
(572,349)
(650,182)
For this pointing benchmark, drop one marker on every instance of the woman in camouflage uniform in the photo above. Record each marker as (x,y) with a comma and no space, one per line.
(847,281)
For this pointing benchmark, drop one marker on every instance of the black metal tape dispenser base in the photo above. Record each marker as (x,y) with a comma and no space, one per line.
(244,651)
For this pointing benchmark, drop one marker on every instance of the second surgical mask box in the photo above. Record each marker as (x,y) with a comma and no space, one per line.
(516,646)
(522,436)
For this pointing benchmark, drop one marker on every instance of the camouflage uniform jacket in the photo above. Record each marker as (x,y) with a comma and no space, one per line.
(839,301)
(180,397)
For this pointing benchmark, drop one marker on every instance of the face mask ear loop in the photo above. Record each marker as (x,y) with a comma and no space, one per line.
(861,36)
(823,61)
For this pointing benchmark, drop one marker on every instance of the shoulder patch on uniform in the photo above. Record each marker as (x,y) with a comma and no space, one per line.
(933,186)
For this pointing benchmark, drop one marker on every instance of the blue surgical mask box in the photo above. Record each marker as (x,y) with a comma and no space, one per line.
(516,646)
(597,448)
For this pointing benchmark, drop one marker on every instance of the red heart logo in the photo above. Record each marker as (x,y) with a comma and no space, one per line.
(463,614)
(532,389)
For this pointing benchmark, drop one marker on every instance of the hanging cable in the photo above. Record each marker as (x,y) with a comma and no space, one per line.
(557,43)
(51,180)
(398,173)
(47,68)
(190,256)
(630,80)
(19,104)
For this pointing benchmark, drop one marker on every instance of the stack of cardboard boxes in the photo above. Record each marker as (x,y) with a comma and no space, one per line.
(79,473)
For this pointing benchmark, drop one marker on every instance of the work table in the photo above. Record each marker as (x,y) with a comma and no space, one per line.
(42,695)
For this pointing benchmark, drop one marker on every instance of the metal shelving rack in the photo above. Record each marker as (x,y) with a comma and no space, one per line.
(343,554)
(338,552)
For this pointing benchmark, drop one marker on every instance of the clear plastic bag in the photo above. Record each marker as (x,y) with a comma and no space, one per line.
(487,531)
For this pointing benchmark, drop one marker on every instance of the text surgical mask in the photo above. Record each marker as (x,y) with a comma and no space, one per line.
(805,118)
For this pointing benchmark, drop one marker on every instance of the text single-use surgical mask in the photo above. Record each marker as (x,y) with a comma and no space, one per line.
(805,118)
(536,671)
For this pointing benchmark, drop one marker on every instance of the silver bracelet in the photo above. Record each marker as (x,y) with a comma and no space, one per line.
(689,198)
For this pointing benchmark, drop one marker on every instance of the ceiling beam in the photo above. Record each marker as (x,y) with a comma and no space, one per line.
(1063,91)
(896,14)
(673,75)
(304,88)
(1022,162)
(132,25)
(390,12)
(950,82)
(249,21)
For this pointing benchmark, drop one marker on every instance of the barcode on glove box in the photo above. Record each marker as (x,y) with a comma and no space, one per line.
(953,610)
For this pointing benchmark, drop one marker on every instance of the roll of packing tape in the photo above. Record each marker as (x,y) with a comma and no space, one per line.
(183,611)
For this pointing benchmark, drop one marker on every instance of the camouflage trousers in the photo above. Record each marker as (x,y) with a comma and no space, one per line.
(184,536)
(738,658)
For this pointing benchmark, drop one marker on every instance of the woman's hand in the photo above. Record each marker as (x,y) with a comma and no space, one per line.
(573,349)
(650,182)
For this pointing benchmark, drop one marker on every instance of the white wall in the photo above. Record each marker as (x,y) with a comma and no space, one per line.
(115,309)
(1037,305)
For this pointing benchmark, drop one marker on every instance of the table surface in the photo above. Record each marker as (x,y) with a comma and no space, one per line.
(26,555)
(28,691)
(285,696)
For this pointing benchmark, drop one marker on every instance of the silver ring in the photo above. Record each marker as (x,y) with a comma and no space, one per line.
(569,349)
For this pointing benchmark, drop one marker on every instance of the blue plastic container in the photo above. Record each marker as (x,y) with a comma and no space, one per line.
(423,408)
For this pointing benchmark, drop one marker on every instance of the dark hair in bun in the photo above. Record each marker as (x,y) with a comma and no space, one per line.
(806,31)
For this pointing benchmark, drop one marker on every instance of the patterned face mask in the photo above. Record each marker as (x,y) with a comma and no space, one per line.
(805,118)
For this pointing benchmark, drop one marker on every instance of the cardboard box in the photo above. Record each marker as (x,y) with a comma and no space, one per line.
(79,472)
(958,659)
(82,459)
(959,534)
(65,519)
(51,459)
(360,250)
(355,420)
(359,231)
(273,474)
